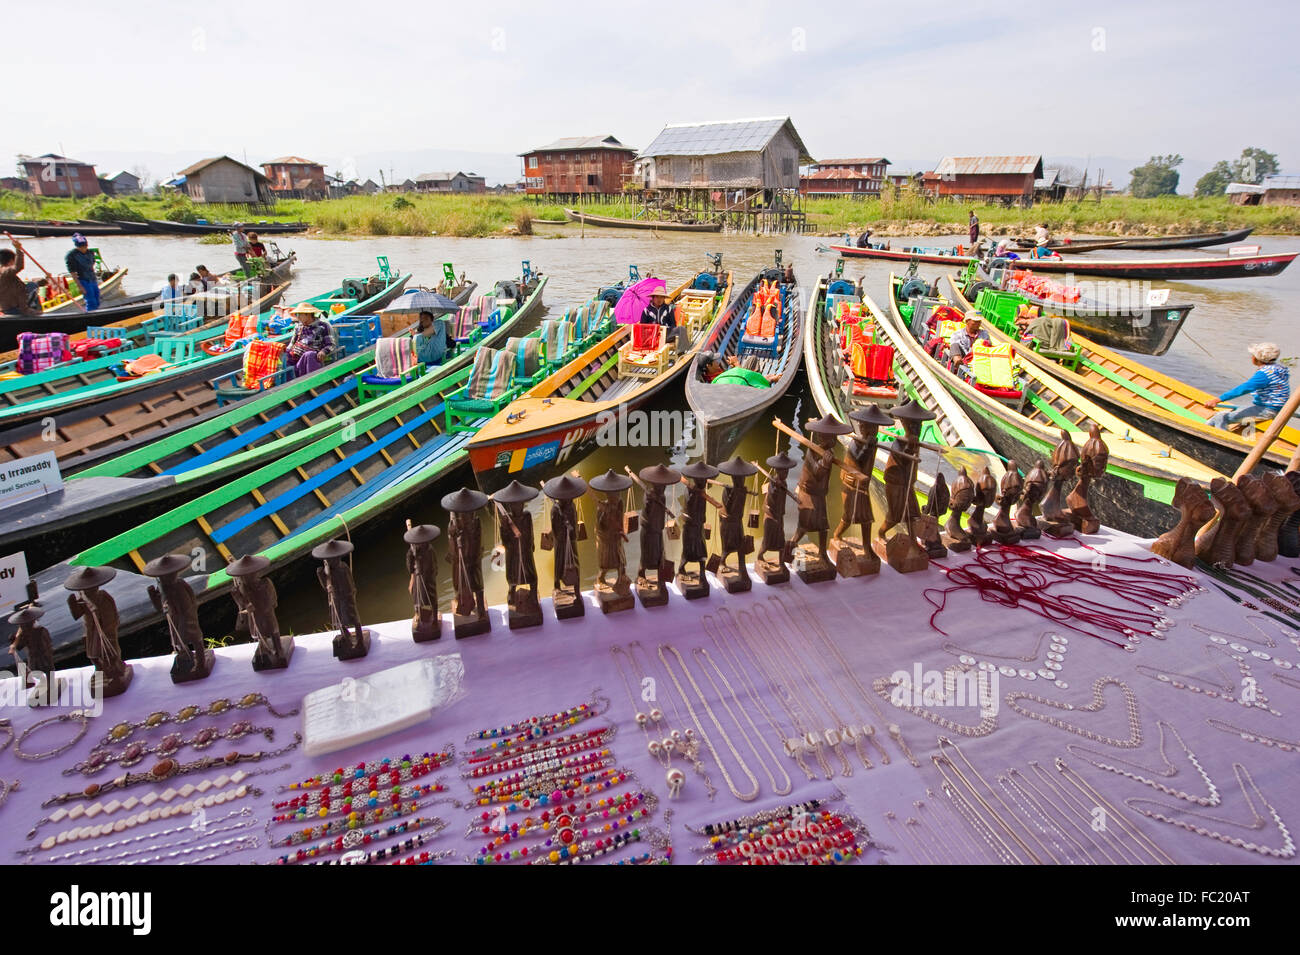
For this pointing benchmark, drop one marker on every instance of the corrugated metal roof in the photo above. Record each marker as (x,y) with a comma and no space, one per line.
(839,174)
(584,143)
(852,162)
(205,163)
(1244,187)
(723,136)
(1281,182)
(990,166)
(290,161)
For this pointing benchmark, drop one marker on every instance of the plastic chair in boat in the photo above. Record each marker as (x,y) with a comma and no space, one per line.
(992,370)
(265,365)
(351,335)
(647,354)
(529,366)
(491,386)
(559,346)
(396,364)
(693,310)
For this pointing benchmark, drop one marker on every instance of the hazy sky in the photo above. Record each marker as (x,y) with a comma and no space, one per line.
(341,81)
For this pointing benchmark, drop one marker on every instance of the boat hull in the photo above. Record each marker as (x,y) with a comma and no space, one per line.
(1222,267)
(612,222)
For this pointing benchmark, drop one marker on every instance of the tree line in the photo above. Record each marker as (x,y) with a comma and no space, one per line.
(1158,176)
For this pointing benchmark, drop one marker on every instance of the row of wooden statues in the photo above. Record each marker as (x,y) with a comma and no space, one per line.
(1255,517)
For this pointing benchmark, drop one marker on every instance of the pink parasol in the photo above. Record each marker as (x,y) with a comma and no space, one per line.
(635,299)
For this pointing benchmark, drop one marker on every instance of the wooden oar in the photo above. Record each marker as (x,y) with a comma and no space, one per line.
(55,281)
(1264,443)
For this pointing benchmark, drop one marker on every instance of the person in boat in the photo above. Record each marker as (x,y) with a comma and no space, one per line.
(1271,385)
(716,369)
(240,239)
(172,291)
(256,250)
(1004,250)
(1041,239)
(81,266)
(973,228)
(963,339)
(864,240)
(15,293)
(660,312)
(206,279)
(1049,332)
(311,339)
(431,340)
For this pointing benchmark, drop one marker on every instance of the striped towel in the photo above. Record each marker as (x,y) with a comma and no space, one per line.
(528,355)
(262,358)
(491,376)
(38,352)
(394,357)
(466,319)
(554,334)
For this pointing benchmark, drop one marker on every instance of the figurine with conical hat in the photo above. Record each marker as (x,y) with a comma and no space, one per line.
(465,553)
(1093,458)
(960,496)
(174,599)
(855,492)
(566,596)
(654,514)
(1035,486)
(256,599)
(695,549)
(35,639)
(1065,462)
(902,551)
(112,674)
(515,523)
(812,490)
(335,575)
(775,493)
(732,538)
(926,527)
(422,566)
(610,536)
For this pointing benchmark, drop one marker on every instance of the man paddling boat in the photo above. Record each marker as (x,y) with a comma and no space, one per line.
(1271,385)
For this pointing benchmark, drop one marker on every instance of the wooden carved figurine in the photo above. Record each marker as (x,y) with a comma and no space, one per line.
(256,598)
(610,537)
(175,600)
(1008,495)
(1178,544)
(1216,542)
(1288,535)
(1260,500)
(986,493)
(1035,486)
(567,595)
(960,496)
(1093,458)
(422,566)
(695,548)
(731,525)
(1065,462)
(775,493)
(926,527)
(352,642)
(465,553)
(902,551)
(814,485)
(1287,501)
(653,591)
(855,494)
(516,527)
(39,670)
(112,674)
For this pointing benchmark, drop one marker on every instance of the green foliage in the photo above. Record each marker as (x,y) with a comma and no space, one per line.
(12,200)
(401,202)
(179,208)
(1254,165)
(216,238)
(1214,182)
(1157,177)
(108,209)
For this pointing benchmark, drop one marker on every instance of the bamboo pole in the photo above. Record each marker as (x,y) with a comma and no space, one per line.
(1274,429)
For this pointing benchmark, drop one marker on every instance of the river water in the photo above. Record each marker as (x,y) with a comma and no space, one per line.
(1209,352)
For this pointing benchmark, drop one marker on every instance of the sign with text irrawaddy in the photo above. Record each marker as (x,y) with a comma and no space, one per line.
(13,582)
(28,478)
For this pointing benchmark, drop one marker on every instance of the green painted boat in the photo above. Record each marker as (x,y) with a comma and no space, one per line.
(61,389)
(357,471)
(1026,422)
(120,490)
(836,393)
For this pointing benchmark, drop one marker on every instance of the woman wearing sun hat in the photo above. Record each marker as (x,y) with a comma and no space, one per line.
(311,339)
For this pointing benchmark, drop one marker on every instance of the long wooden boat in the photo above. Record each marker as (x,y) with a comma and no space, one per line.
(129,315)
(205,228)
(1135,326)
(830,382)
(1073,246)
(113,490)
(613,222)
(1169,410)
(42,228)
(1187,269)
(1196,240)
(1136,493)
(559,420)
(61,391)
(110,289)
(905,254)
(333,487)
(724,411)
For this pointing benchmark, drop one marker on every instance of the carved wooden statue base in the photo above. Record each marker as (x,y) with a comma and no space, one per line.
(525,611)
(652,591)
(772,571)
(266,662)
(694,584)
(568,604)
(902,553)
(613,599)
(852,559)
(735,580)
(104,686)
(810,566)
(469,625)
(347,647)
(184,672)
(427,630)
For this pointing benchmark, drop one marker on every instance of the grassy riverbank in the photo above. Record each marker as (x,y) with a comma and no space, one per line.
(396,214)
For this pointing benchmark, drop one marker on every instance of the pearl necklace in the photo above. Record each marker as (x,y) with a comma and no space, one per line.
(1050,669)
(91,853)
(1167,771)
(1218,691)
(885,687)
(1098,703)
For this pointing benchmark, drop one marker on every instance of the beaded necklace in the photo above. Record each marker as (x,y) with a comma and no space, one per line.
(91,854)
(537,727)
(529,761)
(624,805)
(321,803)
(355,838)
(490,822)
(563,837)
(354,820)
(359,857)
(520,749)
(583,762)
(527,801)
(373,769)
(560,787)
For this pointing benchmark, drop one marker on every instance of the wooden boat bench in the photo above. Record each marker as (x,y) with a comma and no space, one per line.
(491,386)
(647,355)
(693,310)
